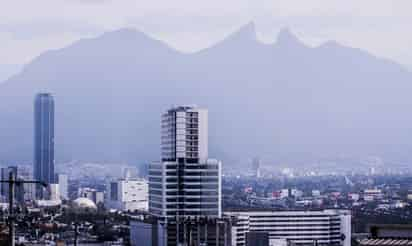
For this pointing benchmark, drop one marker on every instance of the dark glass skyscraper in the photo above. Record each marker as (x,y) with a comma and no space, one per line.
(43,168)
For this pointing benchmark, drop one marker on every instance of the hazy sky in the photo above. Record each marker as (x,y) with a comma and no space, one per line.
(382,27)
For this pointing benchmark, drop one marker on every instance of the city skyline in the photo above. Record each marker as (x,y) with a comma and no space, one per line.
(206,123)
(307,116)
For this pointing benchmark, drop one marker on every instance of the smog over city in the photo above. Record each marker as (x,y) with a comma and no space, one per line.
(194,123)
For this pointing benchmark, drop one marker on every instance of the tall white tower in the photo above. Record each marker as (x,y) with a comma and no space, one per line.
(185,182)
(185,134)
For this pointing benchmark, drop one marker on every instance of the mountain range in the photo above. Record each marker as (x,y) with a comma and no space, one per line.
(282,101)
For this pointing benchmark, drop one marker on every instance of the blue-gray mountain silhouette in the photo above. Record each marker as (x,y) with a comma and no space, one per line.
(280,99)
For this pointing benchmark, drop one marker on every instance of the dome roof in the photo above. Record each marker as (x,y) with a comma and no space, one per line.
(84,203)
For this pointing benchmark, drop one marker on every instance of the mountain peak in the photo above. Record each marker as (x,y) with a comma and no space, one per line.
(286,37)
(125,34)
(246,32)
(126,41)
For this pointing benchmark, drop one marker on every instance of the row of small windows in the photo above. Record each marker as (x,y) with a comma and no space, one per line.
(187,180)
(155,179)
(171,137)
(155,198)
(192,143)
(192,149)
(203,199)
(155,211)
(155,173)
(192,120)
(192,155)
(295,216)
(192,125)
(155,192)
(187,186)
(273,229)
(294,220)
(156,186)
(194,193)
(192,206)
(193,173)
(155,166)
(192,213)
(297,225)
(192,137)
(155,205)
(194,167)
(192,132)
(277,234)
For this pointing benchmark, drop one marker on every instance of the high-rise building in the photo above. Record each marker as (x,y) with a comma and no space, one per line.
(185,134)
(185,182)
(44,140)
(256,167)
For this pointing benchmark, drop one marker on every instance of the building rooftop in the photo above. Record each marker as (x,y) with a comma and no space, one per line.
(384,242)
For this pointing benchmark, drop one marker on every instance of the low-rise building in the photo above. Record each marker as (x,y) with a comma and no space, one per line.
(370,195)
(92,194)
(63,181)
(128,195)
(387,235)
(315,193)
(317,227)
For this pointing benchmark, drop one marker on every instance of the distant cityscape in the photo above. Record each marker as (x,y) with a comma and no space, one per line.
(188,198)
(205,123)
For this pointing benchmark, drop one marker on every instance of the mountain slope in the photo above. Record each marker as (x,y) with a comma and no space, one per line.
(8,70)
(281,99)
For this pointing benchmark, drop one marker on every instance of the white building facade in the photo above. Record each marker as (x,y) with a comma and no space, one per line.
(128,195)
(54,192)
(186,182)
(323,227)
(63,181)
